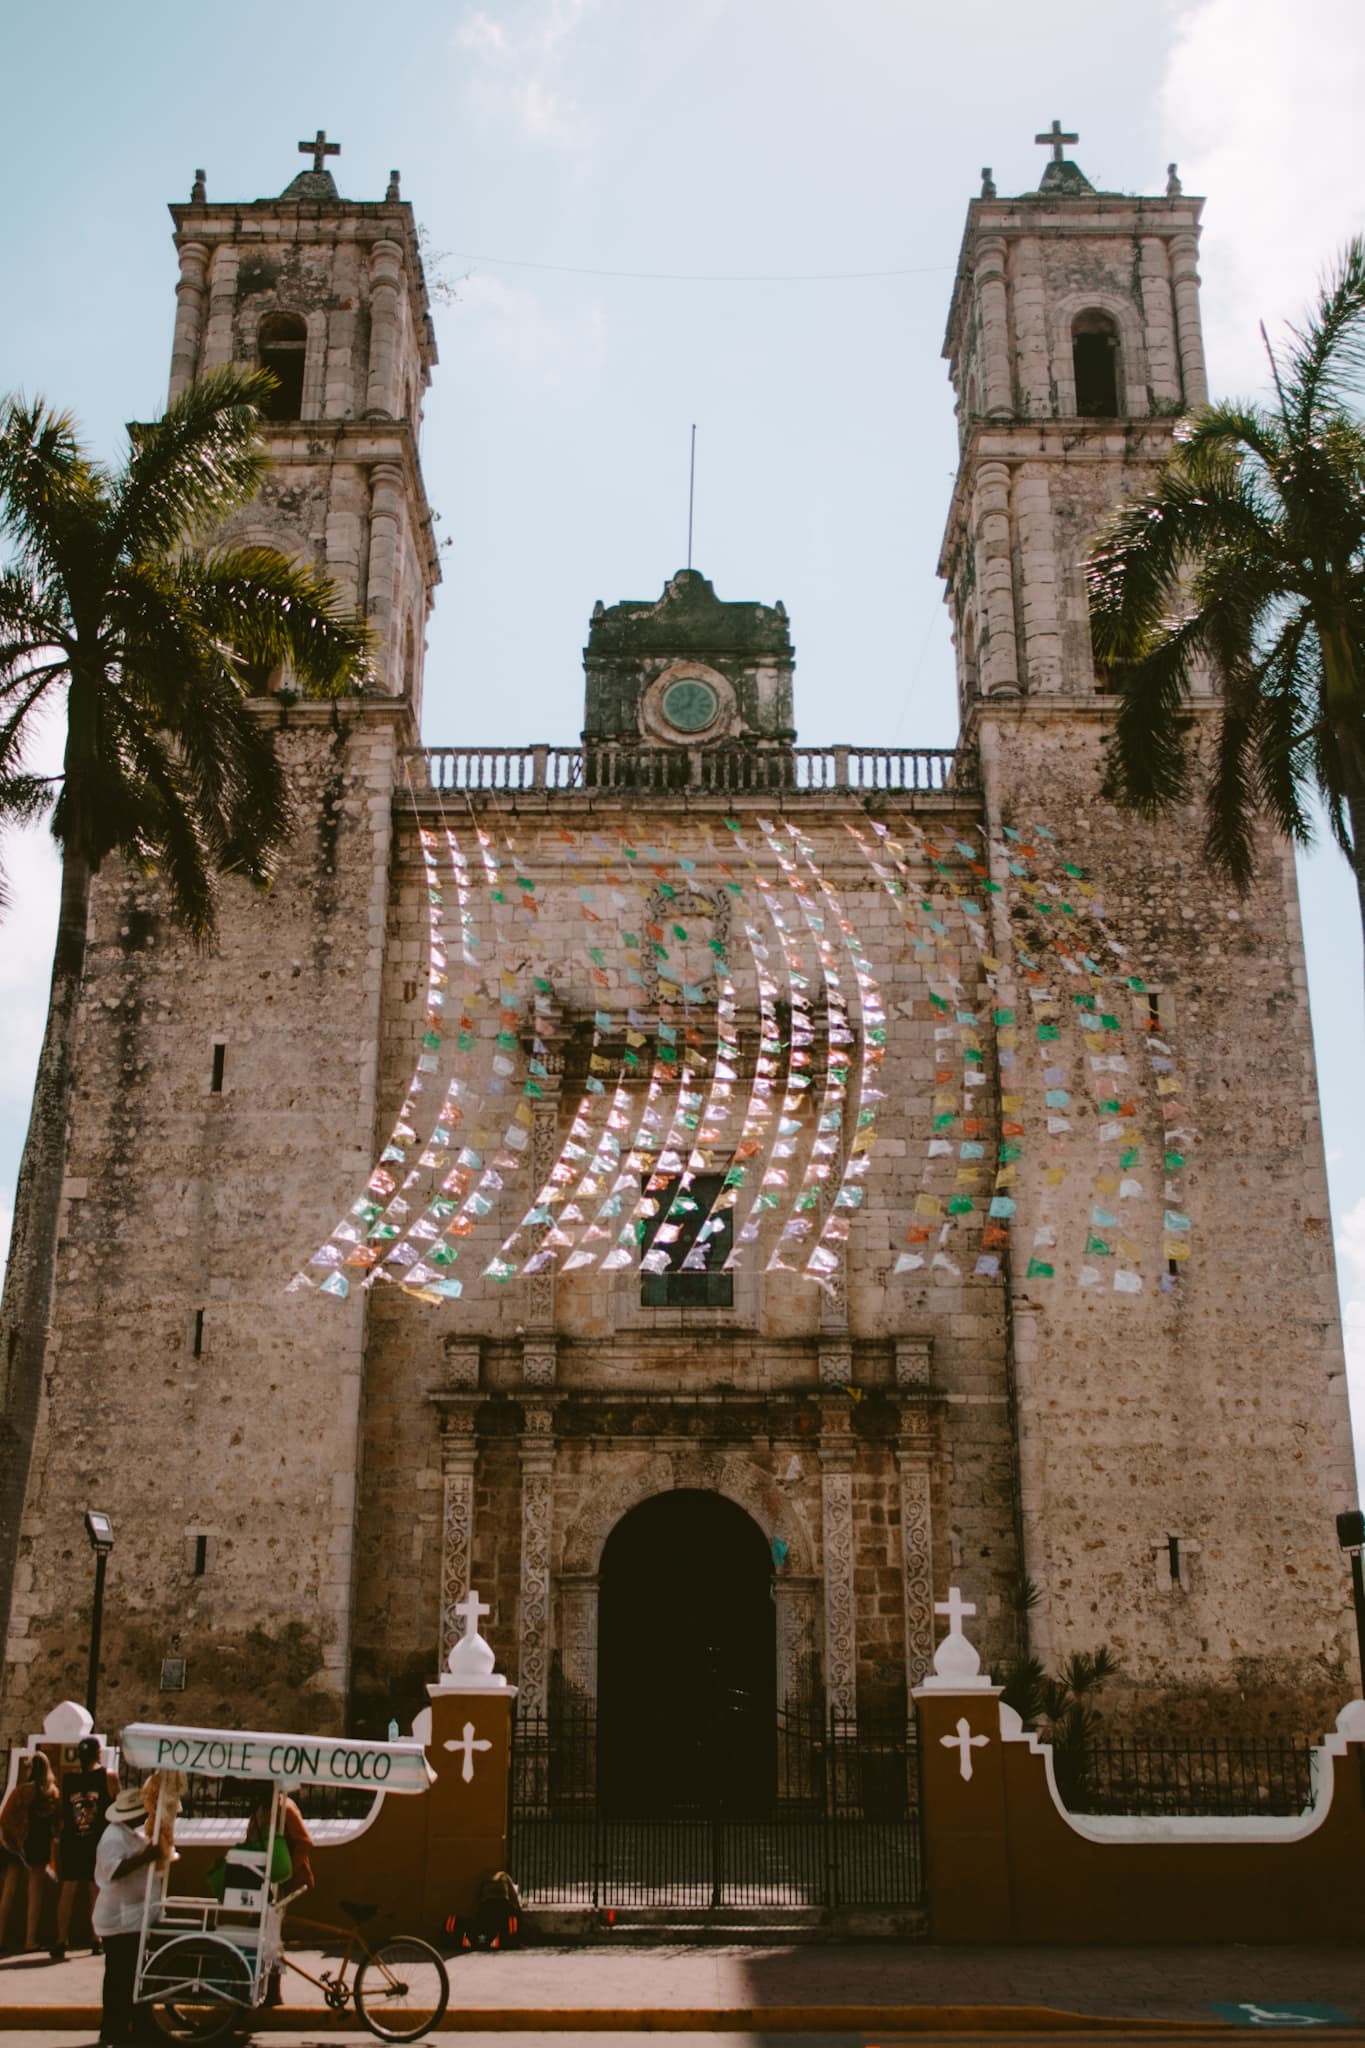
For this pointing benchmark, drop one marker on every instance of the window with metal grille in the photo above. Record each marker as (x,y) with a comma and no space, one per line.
(686,1211)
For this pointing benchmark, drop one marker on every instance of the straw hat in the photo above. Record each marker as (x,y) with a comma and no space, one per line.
(127,1808)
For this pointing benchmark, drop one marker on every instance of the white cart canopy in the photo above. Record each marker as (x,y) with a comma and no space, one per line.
(286,1759)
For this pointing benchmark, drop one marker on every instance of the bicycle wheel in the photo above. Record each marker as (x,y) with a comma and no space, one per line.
(401,1989)
(199,1989)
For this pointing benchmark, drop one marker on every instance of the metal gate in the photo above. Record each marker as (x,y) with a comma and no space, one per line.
(839,1825)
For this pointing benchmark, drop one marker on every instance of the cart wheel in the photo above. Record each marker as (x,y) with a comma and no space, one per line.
(199,1988)
(401,1990)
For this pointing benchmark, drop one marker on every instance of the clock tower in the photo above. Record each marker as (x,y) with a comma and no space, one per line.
(688,670)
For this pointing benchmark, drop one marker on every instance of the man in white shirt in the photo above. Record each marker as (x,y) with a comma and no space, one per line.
(122,1857)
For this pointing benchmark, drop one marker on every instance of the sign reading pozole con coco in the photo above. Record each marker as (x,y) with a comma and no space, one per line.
(284,1759)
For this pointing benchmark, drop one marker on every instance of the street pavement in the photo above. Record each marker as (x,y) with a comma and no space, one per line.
(844,1993)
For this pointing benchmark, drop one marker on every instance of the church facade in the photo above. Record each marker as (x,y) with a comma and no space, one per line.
(705,1193)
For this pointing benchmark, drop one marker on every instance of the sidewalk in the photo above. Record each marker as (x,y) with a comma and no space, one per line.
(852,1987)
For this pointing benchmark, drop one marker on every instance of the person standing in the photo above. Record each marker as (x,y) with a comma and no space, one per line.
(85,1793)
(28,1820)
(120,1860)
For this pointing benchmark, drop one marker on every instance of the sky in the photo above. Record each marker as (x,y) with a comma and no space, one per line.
(739,213)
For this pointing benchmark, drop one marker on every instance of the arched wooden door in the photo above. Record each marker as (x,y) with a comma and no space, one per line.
(687,1660)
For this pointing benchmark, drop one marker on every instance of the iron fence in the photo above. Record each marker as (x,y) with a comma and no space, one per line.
(838,1823)
(1267,1777)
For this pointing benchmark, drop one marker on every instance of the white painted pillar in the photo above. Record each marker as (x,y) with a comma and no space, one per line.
(191,293)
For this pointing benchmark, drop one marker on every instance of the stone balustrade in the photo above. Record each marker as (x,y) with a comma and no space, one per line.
(626,769)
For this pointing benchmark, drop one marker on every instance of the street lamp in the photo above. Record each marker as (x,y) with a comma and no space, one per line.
(100,1530)
(1351,1537)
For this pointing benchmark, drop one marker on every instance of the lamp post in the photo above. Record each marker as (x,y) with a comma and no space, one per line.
(100,1530)
(1351,1537)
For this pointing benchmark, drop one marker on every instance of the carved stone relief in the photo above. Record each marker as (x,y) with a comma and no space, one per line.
(738,1478)
(459,1457)
(836,1495)
(917,1563)
(540,1287)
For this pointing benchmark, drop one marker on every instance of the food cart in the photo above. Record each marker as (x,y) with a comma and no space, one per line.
(204,1964)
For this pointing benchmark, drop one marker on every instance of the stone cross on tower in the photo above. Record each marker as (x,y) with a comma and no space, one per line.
(320,147)
(1054,136)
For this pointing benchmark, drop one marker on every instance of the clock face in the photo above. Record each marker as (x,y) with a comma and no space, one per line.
(690,705)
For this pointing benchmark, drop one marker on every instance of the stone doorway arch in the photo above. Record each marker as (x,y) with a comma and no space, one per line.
(796,1586)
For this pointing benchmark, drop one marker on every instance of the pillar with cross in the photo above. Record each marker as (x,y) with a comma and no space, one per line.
(964,1793)
(469,1748)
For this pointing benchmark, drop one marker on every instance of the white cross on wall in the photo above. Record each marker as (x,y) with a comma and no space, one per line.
(964,1742)
(469,1745)
(472,1609)
(956,1609)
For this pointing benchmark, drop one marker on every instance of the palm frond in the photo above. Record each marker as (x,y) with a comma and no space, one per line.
(1146,754)
(1326,355)
(1203,502)
(1286,694)
(269,611)
(200,461)
(52,496)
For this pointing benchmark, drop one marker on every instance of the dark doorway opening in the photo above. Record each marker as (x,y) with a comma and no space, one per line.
(687,1650)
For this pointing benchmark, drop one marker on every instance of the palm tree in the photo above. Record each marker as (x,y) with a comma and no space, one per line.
(1248,557)
(114,598)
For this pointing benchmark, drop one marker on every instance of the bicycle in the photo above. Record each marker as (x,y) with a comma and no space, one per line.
(199,1984)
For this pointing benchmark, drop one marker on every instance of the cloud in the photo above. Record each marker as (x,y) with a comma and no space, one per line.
(1351,1275)
(519,334)
(1260,103)
(515,66)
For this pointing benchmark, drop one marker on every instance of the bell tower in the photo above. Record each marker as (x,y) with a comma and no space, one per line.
(328,294)
(1074,345)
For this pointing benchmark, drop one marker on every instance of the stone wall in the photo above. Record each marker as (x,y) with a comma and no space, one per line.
(1215,1414)
(215,1419)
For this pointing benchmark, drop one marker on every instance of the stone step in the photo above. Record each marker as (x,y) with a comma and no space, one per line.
(721,1926)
